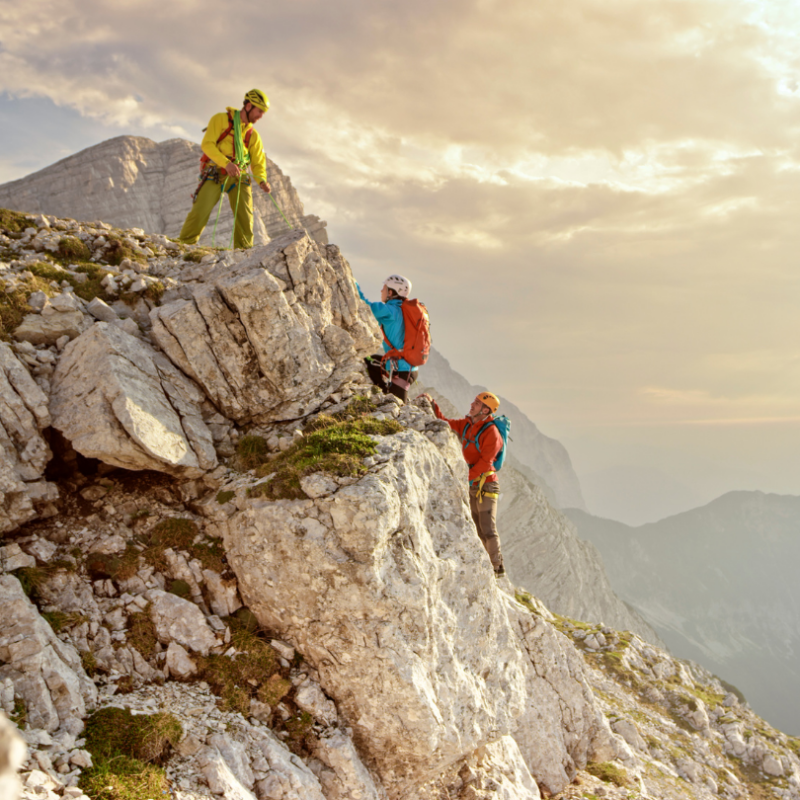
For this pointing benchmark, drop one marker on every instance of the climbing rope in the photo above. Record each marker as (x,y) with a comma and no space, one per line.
(242,159)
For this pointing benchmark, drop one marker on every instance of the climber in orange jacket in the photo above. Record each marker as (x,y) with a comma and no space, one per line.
(480,449)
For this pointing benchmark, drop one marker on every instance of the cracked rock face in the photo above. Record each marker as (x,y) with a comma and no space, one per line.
(271,336)
(116,399)
(23,452)
(45,671)
(385,587)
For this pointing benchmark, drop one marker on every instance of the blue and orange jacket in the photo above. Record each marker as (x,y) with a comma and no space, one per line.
(390,317)
(491,443)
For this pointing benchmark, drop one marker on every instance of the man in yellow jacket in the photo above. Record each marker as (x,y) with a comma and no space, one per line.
(223,169)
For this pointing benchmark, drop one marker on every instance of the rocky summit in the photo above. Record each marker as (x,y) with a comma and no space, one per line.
(229,569)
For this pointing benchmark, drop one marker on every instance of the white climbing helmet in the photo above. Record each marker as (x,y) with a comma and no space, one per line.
(400,284)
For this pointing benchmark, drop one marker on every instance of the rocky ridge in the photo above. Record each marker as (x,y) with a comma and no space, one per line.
(317,634)
(134,182)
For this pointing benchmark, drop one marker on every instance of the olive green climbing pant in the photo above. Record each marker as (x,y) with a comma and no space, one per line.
(484,512)
(206,204)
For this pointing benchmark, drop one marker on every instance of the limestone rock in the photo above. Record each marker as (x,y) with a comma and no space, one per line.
(560,728)
(179,664)
(271,336)
(310,697)
(348,777)
(46,672)
(49,328)
(116,399)
(385,588)
(23,451)
(12,754)
(102,311)
(286,777)
(543,553)
(12,557)
(223,593)
(178,620)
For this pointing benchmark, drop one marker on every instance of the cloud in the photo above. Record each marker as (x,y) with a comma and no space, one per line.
(596,196)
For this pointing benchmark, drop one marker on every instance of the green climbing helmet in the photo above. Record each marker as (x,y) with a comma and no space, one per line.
(258,99)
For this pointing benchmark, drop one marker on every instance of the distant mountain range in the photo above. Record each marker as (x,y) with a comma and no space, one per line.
(720,585)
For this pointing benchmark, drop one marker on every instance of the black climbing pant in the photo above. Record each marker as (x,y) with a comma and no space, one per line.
(398,384)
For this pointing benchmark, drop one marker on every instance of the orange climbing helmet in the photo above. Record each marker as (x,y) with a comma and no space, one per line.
(490,400)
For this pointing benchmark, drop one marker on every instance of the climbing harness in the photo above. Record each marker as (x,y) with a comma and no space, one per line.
(241,157)
(480,494)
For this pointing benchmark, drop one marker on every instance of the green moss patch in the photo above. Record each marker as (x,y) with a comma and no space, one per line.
(89,662)
(14,221)
(180,589)
(251,451)
(337,448)
(142,633)
(87,290)
(19,716)
(13,308)
(59,620)
(70,248)
(225,497)
(118,250)
(117,567)
(197,255)
(180,534)
(32,578)
(525,599)
(128,752)
(245,675)
(609,772)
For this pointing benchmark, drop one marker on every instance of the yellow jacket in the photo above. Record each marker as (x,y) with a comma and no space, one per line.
(221,153)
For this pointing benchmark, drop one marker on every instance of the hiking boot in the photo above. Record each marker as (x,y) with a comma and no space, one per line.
(500,572)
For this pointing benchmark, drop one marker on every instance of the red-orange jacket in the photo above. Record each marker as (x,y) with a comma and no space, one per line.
(491,442)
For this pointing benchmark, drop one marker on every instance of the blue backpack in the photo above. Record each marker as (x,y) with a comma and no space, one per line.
(504,426)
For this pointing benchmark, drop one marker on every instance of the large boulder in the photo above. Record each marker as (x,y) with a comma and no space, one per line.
(46,672)
(117,399)
(23,451)
(271,336)
(385,587)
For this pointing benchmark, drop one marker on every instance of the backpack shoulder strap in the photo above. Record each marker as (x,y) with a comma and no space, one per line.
(465,440)
(227,130)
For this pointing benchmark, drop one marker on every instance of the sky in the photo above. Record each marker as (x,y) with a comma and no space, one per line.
(597,199)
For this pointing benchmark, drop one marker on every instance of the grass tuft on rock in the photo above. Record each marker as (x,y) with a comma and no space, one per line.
(142,633)
(13,307)
(59,620)
(224,497)
(251,451)
(118,250)
(237,679)
(71,248)
(14,221)
(333,447)
(86,290)
(128,752)
(197,255)
(19,714)
(609,772)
